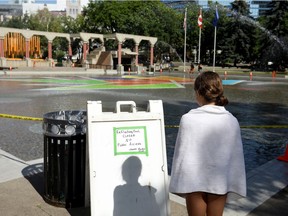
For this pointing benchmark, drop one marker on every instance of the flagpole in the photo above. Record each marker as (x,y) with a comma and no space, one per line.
(185,30)
(214,48)
(215,21)
(200,30)
(199,45)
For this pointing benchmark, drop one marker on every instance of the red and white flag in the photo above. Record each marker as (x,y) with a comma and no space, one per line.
(200,19)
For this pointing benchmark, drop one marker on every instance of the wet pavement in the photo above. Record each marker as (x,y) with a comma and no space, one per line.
(260,104)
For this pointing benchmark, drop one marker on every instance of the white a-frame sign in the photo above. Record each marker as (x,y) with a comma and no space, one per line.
(127,160)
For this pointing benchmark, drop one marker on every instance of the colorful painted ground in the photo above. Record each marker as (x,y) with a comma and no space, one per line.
(110,82)
(104,82)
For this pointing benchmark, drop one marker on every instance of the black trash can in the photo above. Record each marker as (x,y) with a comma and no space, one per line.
(64,158)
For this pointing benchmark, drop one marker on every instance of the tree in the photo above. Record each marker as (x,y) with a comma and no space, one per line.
(71,25)
(275,41)
(17,22)
(240,35)
(44,20)
(277,18)
(148,18)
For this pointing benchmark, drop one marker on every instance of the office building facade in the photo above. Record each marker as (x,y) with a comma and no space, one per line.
(256,7)
(10,8)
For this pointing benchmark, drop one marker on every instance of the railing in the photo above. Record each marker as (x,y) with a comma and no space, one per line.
(95,66)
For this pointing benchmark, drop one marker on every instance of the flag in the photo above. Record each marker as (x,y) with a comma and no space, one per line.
(216,18)
(185,16)
(200,19)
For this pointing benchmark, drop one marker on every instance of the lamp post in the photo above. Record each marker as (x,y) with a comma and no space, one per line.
(194,51)
(45,21)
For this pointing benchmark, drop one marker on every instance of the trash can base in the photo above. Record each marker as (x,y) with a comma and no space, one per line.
(55,203)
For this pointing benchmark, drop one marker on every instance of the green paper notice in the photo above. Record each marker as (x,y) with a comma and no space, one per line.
(130,140)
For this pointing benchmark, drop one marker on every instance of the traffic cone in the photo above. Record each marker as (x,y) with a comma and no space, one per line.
(285,156)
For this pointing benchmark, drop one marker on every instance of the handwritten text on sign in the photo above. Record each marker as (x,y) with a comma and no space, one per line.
(130,140)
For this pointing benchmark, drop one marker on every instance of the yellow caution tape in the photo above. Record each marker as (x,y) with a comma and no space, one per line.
(167,126)
(247,126)
(20,117)
(265,126)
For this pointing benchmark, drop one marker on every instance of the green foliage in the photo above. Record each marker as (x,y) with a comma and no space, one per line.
(274,45)
(59,54)
(241,7)
(148,18)
(239,35)
(17,22)
(277,18)
(71,25)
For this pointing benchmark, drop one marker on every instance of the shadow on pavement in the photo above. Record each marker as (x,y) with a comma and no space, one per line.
(34,174)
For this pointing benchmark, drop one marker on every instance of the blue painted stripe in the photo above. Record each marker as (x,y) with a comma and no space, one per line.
(231,82)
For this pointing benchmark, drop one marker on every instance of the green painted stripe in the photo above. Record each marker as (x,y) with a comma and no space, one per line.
(111,86)
(69,81)
(59,81)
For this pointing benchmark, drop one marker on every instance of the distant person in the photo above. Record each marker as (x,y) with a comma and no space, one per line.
(171,66)
(191,68)
(208,162)
(199,68)
(274,71)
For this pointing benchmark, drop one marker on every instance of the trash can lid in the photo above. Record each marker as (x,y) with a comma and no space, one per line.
(63,122)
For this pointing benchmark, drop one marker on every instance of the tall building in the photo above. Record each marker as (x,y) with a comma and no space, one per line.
(177,4)
(9,8)
(259,7)
(32,6)
(73,8)
(256,7)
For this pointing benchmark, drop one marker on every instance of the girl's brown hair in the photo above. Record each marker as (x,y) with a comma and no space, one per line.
(209,86)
